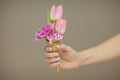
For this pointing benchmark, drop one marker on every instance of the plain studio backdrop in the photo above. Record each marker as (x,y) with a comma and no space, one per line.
(89,23)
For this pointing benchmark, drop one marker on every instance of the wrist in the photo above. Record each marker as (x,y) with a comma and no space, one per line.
(86,56)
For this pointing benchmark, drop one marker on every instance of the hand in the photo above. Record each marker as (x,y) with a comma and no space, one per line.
(67,58)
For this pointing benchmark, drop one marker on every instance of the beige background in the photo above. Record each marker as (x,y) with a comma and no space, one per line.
(90,22)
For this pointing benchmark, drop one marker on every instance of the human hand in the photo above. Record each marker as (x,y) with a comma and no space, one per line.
(67,58)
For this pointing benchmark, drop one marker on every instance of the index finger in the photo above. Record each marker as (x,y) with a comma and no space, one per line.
(48,49)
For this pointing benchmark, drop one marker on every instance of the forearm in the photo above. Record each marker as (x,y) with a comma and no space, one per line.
(108,50)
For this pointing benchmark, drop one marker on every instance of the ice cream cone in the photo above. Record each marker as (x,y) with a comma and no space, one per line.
(53,45)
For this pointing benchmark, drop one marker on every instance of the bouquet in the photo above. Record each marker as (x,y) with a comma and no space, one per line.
(53,31)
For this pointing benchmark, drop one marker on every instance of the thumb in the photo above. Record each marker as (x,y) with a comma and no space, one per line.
(64,48)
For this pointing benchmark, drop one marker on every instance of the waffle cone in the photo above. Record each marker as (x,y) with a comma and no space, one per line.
(54,49)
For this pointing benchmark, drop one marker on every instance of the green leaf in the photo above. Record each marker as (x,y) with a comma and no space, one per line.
(48,17)
(55,41)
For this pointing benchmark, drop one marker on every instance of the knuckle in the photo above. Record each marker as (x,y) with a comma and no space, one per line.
(49,55)
(68,47)
(52,60)
(48,49)
(53,65)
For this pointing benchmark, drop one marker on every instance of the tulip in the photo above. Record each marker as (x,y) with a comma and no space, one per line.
(61,25)
(56,12)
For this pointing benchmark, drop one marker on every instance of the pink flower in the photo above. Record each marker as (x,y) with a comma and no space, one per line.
(46,29)
(54,36)
(61,25)
(56,12)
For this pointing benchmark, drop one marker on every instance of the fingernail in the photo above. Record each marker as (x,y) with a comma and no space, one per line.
(57,59)
(58,63)
(49,49)
(58,46)
(55,54)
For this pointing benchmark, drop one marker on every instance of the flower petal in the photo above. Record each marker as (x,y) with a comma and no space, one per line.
(61,25)
(59,12)
(53,12)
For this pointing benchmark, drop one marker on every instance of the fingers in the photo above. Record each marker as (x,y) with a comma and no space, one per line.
(64,47)
(49,49)
(53,59)
(51,55)
(60,47)
(54,64)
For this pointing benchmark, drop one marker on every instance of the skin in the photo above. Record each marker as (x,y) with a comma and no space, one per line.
(70,58)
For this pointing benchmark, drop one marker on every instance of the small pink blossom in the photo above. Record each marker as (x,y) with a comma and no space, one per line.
(44,31)
(54,36)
